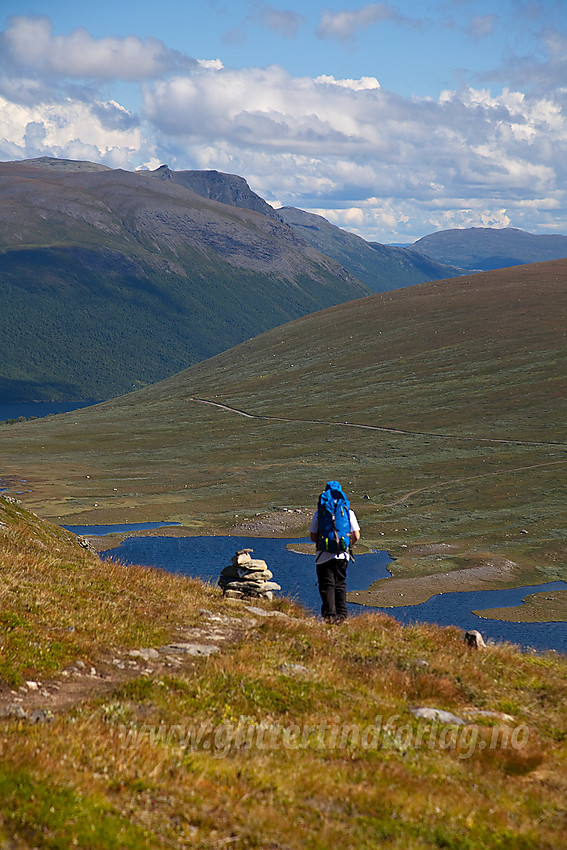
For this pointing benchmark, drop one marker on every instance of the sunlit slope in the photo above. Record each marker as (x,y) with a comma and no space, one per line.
(483,355)
(469,375)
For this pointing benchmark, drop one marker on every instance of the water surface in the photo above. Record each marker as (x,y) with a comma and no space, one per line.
(103,530)
(204,557)
(13,410)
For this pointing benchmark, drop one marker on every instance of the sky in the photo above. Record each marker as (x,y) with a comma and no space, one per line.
(393,119)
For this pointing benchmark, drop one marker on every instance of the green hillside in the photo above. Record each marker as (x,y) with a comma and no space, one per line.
(440,407)
(142,711)
(111,280)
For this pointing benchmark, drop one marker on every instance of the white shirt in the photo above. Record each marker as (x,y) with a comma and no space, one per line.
(322,554)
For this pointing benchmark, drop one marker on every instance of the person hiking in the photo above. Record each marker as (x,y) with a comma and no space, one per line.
(334,529)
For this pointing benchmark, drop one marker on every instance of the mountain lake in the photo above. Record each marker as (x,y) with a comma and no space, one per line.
(16,409)
(205,557)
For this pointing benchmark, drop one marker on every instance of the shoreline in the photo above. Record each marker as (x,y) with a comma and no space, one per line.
(495,573)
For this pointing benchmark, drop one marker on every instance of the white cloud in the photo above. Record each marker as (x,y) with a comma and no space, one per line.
(345,24)
(362,84)
(29,42)
(71,130)
(302,140)
(210,64)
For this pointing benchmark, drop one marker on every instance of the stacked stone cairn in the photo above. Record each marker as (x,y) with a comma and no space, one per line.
(247,576)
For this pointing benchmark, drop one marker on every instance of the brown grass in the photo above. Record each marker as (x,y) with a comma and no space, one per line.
(328,753)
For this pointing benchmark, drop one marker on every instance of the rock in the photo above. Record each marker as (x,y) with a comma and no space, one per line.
(261,612)
(249,584)
(243,571)
(437,714)
(257,564)
(203,649)
(247,576)
(12,710)
(474,639)
(241,558)
(293,669)
(41,715)
(146,654)
(496,715)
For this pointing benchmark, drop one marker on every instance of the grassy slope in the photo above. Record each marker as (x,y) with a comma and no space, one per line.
(341,762)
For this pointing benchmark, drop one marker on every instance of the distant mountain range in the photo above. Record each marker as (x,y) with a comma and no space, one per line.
(487,248)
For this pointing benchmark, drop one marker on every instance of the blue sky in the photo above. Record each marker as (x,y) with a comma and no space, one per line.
(392,120)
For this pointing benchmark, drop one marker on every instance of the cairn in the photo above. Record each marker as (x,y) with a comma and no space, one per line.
(247,576)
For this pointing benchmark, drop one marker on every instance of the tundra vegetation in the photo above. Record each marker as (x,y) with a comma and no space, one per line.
(294,734)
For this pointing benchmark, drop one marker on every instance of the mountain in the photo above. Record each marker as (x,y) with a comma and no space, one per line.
(217,186)
(111,280)
(380,267)
(485,248)
(440,407)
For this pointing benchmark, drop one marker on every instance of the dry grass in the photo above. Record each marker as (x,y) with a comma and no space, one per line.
(322,754)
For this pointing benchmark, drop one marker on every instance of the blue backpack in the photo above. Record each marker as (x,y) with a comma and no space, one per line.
(333,519)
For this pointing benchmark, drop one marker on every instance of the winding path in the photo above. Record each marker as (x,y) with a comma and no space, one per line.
(411,493)
(378,427)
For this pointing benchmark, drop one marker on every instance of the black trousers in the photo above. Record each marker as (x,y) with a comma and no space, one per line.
(331,576)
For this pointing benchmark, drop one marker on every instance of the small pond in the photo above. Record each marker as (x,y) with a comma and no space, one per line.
(204,557)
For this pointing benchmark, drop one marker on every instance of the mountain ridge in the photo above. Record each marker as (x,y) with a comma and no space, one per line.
(487,248)
(380,267)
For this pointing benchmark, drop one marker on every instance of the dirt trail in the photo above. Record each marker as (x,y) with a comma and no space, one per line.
(409,433)
(38,700)
(378,427)
(470,478)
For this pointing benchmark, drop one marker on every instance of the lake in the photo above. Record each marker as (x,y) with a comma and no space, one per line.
(13,410)
(204,557)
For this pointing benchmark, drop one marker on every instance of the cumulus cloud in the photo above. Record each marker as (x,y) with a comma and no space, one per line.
(344,24)
(29,42)
(461,159)
(101,132)
(362,84)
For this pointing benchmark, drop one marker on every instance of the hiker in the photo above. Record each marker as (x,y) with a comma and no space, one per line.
(335,529)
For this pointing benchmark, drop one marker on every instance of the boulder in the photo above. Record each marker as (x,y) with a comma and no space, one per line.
(474,639)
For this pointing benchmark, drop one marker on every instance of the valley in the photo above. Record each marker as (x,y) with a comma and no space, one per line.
(440,407)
